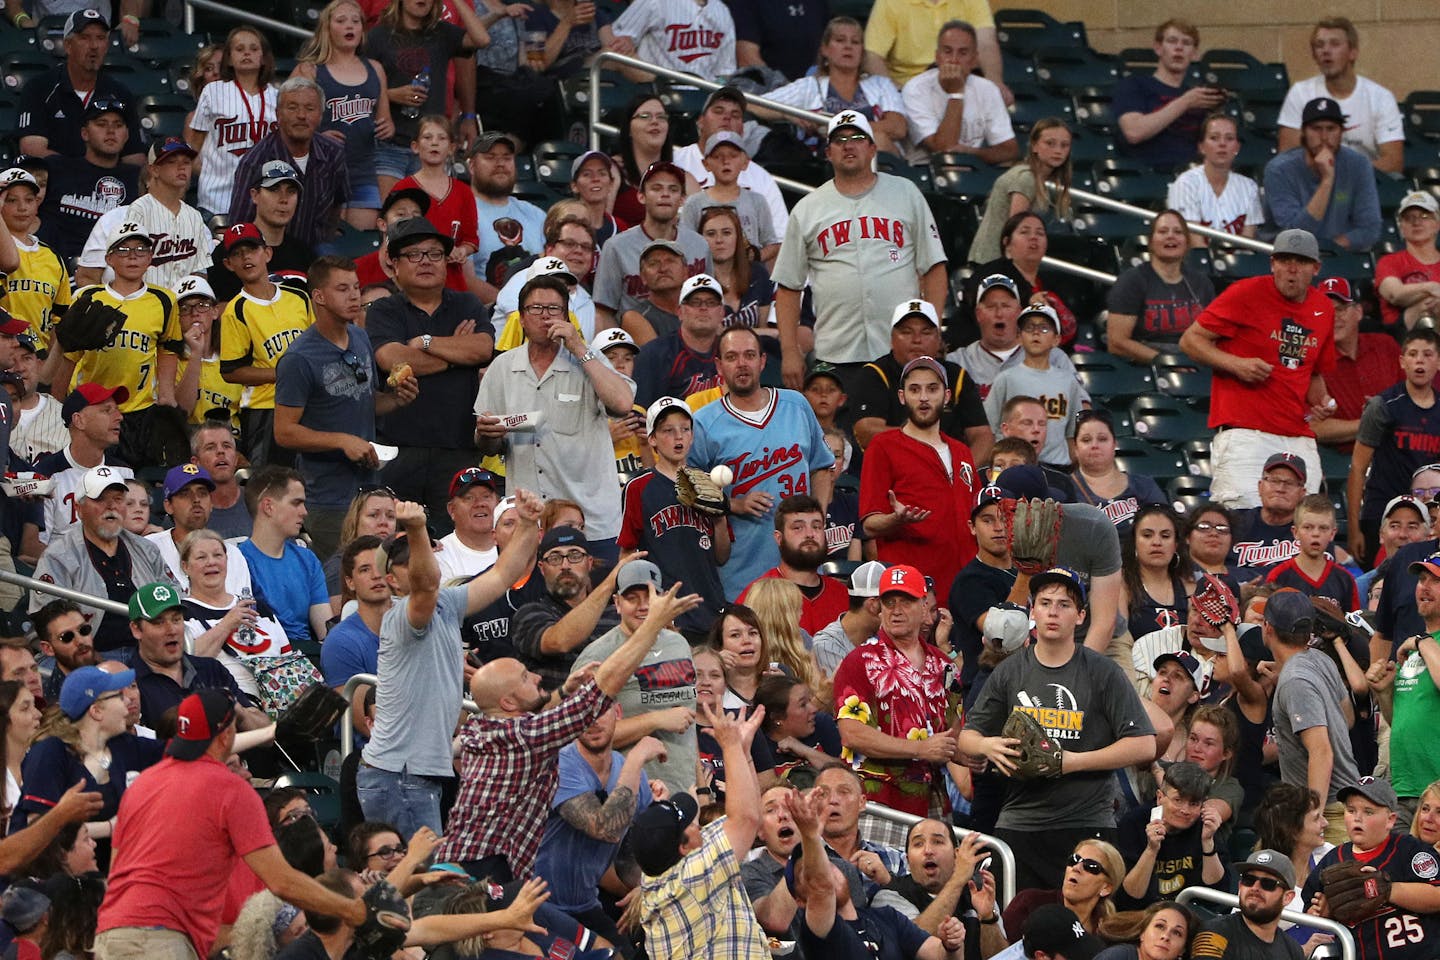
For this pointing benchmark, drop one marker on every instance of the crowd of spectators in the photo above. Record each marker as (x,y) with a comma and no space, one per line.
(470,466)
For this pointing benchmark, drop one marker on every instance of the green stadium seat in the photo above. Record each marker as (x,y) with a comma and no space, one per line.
(160,50)
(1197,456)
(1094,111)
(554,160)
(1137,59)
(163,115)
(1135,455)
(1062,69)
(1239,264)
(1421,110)
(1110,226)
(962,174)
(323,794)
(1177,376)
(1024,31)
(1107,377)
(1167,422)
(1240,72)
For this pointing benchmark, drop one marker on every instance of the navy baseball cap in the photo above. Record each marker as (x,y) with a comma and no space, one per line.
(988,495)
(655,838)
(1290,461)
(1025,482)
(1289,611)
(1065,576)
(563,537)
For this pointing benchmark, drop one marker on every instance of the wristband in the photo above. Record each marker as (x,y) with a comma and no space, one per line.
(468,116)
(702,791)
(1206,853)
(993,918)
(22,16)
(130,18)
(957,96)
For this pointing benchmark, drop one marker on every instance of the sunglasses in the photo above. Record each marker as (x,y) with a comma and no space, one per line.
(296,815)
(357,367)
(1085,863)
(1268,884)
(69,636)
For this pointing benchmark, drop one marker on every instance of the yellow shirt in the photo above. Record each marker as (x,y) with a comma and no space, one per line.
(215,391)
(513,334)
(152,323)
(256,332)
(904,31)
(34,291)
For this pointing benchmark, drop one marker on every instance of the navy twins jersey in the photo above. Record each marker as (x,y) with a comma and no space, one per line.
(678,539)
(667,367)
(1392,934)
(1260,544)
(1335,582)
(1404,436)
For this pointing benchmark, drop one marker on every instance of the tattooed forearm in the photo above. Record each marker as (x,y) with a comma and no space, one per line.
(607,821)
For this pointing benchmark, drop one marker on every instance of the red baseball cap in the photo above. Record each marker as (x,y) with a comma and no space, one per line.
(1337,288)
(903,579)
(89,394)
(10,326)
(242,233)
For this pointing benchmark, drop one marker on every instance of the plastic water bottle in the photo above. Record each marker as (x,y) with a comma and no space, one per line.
(421,83)
(246,633)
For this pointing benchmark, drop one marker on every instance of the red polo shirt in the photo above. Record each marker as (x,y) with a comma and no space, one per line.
(819,611)
(1374,369)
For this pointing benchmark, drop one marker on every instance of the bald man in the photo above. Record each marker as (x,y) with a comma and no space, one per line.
(509,765)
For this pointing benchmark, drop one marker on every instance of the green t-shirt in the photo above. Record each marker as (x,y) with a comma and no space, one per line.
(1414,761)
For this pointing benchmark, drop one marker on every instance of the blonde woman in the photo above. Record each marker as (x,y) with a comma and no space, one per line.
(1426,822)
(357,111)
(371,514)
(1093,874)
(1023,187)
(777,604)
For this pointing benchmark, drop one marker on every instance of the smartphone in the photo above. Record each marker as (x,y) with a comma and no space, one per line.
(1155,814)
(977,880)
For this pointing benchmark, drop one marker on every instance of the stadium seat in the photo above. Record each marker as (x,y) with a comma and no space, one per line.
(1197,456)
(1107,377)
(1238,264)
(1137,60)
(840,569)
(159,50)
(1110,226)
(1028,109)
(355,243)
(1335,468)
(1187,485)
(1166,422)
(1177,376)
(1240,72)
(50,34)
(1135,455)
(616,92)
(554,160)
(963,174)
(1062,69)
(1086,251)
(1094,111)
(1088,146)
(18,66)
(898,166)
(1351,266)
(1261,119)
(1422,115)
(1254,153)
(1025,31)
(682,100)
(322,793)
(163,114)
(1392,190)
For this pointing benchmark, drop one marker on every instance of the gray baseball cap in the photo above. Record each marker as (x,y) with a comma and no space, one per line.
(1271,861)
(637,573)
(1297,243)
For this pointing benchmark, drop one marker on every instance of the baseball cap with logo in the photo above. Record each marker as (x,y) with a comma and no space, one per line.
(563,536)
(1272,862)
(913,308)
(12,326)
(1065,577)
(203,716)
(88,395)
(275,172)
(1290,461)
(240,234)
(84,685)
(552,267)
(926,363)
(193,286)
(505,505)
(637,573)
(659,167)
(178,478)
(162,150)
(81,19)
(1322,108)
(722,137)
(987,495)
(669,245)
(614,337)
(473,477)
(655,838)
(1406,500)
(1189,663)
(824,368)
(153,599)
(865,581)
(1040,310)
(1430,565)
(1423,199)
(699,282)
(905,579)
(128,230)
(995,280)
(660,407)
(1296,243)
(1056,930)
(849,118)
(18,175)
(99,479)
(1373,789)
(1337,289)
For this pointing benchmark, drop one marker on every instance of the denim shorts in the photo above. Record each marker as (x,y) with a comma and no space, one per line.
(364,195)
(395,161)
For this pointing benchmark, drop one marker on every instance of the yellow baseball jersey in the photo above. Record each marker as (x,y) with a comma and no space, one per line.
(152,324)
(39,290)
(215,391)
(256,333)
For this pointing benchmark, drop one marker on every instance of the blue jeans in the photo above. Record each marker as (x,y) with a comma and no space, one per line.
(404,800)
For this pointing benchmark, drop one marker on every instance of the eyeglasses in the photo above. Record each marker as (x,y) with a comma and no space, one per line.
(1038,326)
(198,305)
(133,251)
(1424,493)
(109,696)
(850,138)
(647,116)
(1268,884)
(1416,216)
(575,245)
(1205,526)
(572,557)
(296,815)
(387,853)
(544,310)
(1085,863)
(420,256)
(68,636)
(357,367)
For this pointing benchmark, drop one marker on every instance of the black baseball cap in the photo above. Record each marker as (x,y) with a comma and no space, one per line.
(1055,929)
(421,198)
(655,838)
(562,536)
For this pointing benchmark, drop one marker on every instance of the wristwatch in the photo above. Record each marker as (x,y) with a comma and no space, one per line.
(957,96)
(589,355)
(425,342)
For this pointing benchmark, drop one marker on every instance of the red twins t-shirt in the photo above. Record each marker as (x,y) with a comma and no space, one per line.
(1296,339)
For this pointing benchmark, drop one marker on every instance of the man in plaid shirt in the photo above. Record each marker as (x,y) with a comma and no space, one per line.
(509,763)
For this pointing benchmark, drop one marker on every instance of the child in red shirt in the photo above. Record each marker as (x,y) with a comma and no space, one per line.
(452,205)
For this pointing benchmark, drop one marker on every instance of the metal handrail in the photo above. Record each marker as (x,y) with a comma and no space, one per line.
(1119,206)
(347,726)
(1075,269)
(242,15)
(1340,932)
(85,599)
(1006,891)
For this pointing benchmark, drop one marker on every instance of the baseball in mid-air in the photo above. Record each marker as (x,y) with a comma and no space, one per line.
(722,475)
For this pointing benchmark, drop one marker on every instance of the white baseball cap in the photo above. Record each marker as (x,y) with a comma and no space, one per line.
(1040,310)
(910,308)
(1423,199)
(99,479)
(850,118)
(14,175)
(550,267)
(505,505)
(865,581)
(127,230)
(614,337)
(193,286)
(701,281)
(660,407)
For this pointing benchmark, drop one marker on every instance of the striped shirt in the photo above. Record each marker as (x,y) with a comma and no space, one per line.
(324,185)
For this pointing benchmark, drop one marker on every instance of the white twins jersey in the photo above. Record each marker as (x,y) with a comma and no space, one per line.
(182,241)
(697,38)
(232,121)
(863,255)
(39,431)
(1236,208)
(60,508)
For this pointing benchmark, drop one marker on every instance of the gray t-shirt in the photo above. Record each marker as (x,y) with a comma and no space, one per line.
(1088,542)
(421,688)
(1057,389)
(1308,694)
(1086,704)
(617,278)
(664,679)
(752,209)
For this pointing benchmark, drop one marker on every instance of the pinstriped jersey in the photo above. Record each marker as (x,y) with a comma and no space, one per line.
(152,324)
(233,121)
